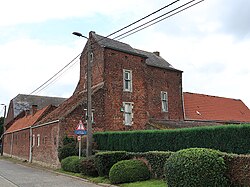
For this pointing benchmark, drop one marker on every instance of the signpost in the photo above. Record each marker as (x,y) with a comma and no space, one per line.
(80,131)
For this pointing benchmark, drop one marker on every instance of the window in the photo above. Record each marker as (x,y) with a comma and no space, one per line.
(38,140)
(33,140)
(164,101)
(127,80)
(128,114)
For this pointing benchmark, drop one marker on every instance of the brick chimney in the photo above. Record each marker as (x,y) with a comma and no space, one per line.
(34,109)
(27,112)
(157,53)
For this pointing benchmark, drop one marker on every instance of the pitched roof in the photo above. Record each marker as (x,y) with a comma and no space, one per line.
(151,58)
(212,108)
(24,102)
(27,120)
(64,109)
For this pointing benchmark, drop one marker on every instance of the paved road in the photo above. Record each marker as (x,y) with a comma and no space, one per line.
(16,175)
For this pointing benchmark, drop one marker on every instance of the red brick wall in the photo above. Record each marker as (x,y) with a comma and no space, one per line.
(20,145)
(114,96)
(164,80)
(47,152)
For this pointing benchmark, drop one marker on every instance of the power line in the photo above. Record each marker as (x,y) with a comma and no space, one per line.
(143,18)
(43,86)
(154,20)
(55,74)
(128,33)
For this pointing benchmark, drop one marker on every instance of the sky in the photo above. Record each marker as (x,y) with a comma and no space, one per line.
(209,42)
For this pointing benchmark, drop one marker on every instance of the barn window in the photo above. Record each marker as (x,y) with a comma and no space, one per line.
(38,140)
(127,80)
(128,114)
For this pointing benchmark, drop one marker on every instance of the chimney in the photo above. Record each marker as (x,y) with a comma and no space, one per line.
(157,53)
(34,109)
(27,112)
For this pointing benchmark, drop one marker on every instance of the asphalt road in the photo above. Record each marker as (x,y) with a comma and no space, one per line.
(17,175)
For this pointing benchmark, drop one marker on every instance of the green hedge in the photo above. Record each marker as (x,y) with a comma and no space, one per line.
(105,160)
(71,164)
(87,167)
(228,138)
(155,161)
(128,171)
(196,167)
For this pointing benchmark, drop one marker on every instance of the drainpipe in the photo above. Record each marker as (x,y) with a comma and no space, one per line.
(30,154)
(11,144)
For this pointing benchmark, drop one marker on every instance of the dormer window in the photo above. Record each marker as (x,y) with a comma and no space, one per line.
(127,80)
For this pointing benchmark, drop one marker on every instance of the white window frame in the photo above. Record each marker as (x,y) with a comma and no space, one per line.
(33,140)
(164,101)
(128,114)
(38,140)
(127,80)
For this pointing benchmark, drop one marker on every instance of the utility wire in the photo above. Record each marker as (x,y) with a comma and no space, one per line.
(55,74)
(40,88)
(121,36)
(155,21)
(142,18)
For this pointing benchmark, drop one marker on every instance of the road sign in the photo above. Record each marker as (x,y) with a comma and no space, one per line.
(80,130)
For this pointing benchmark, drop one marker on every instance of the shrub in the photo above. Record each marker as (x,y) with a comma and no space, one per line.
(105,160)
(155,161)
(67,150)
(71,164)
(87,167)
(227,138)
(128,171)
(196,167)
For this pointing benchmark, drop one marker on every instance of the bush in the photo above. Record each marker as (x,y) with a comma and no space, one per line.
(87,167)
(155,161)
(67,150)
(227,138)
(71,164)
(128,171)
(105,160)
(196,167)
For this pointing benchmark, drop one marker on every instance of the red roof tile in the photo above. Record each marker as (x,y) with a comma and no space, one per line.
(213,108)
(27,120)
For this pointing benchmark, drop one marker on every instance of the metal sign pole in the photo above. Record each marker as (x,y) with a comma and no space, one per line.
(80,145)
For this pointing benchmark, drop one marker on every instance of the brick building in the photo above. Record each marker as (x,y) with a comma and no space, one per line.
(129,88)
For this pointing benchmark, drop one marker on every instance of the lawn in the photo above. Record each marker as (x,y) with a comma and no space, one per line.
(148,183)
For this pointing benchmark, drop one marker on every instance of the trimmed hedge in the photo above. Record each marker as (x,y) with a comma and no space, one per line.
(105,160)
(71,164)
(196,167)
(227,138)
(155,161)
(87,167)
(128,171)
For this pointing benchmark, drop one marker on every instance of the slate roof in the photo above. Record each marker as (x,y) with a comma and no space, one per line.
(24,102)
(151,58)
(212,108)
(28,120)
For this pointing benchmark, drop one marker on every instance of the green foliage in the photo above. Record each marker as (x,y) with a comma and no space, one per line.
(71,164)
(87,167)
(67,150)
(227,138)
(196,167)
(155,161)
(128,171)
(105,160)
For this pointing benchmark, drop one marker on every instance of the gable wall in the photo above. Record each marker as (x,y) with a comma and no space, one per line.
(164,80)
